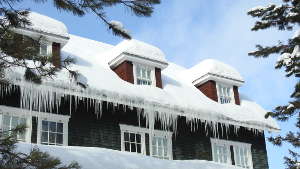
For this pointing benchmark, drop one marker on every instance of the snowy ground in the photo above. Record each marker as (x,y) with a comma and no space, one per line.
(100,158)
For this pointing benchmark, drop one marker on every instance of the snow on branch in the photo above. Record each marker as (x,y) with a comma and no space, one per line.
(118,29)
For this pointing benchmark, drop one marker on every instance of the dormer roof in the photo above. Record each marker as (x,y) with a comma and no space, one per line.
(45,26)
(211,69)
(137,51)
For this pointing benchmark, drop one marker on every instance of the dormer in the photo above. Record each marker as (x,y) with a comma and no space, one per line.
(138,63)
(52,35)
(216,80)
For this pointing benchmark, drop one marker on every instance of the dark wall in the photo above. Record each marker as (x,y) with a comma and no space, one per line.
(189,144)
(89,129)
(85,129)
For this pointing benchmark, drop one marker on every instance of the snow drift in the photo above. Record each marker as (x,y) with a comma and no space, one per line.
(100,158)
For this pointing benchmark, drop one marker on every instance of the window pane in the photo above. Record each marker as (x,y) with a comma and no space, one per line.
(154,150)
(159,140)
(242,157)
(6,120)
(127,146)
(43,49)
(165,151)
(59,139)
(52,138)
(138,148)
(138,138)
(133,148)
(45,137)
(45,126)
(138,71)
(148,74)
(21,136)
(237,157)
(53,126)
(14,122)
(154,140)
(139,82)
(22,121)
(132,137)
(160,153)
(60,127)
(143,73)
(126,136)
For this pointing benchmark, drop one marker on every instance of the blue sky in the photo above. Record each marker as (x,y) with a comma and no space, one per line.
(193,30)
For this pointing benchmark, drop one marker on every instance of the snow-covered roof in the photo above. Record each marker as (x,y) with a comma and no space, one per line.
(178,96)
(44,24)
(137,50)
(211,68)
(94,157)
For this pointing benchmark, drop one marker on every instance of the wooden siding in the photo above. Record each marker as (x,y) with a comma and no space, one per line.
(209,89)
(158,77)
(236,95)
(89,129)
(125,71)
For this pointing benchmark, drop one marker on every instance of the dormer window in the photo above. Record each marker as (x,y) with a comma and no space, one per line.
(217,81)
(144,75)
(225,94)
(138,63)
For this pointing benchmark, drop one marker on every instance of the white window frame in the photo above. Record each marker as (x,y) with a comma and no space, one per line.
(53,118)
(231,93)
(23,113)
(235,145)
(152,73)
(28,122)
(135,130)
(164,134)
(142,132)
(48,47)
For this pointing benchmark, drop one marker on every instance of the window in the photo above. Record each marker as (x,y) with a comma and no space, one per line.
(223,151)
(52,133)
(10,122)
(43,49)
(225,94)
(241,156)
(133,139)
(133,142)
(143,75)
(160,147)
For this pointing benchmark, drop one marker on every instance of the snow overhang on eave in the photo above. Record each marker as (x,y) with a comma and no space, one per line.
(35,34)
(218,78)
(137,59)
(51,89)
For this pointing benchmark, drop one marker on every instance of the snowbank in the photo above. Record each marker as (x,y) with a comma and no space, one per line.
(100,158)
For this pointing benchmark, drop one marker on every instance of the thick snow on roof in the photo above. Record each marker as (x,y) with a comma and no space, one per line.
(214,67)
(100,158)
(177,93)
(178,96)
(137,48)
(45,24)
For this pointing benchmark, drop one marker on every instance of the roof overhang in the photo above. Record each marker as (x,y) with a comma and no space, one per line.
(136,59)
(37,34)
(218,78)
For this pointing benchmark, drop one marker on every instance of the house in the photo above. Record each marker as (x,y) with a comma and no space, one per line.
(128,97)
